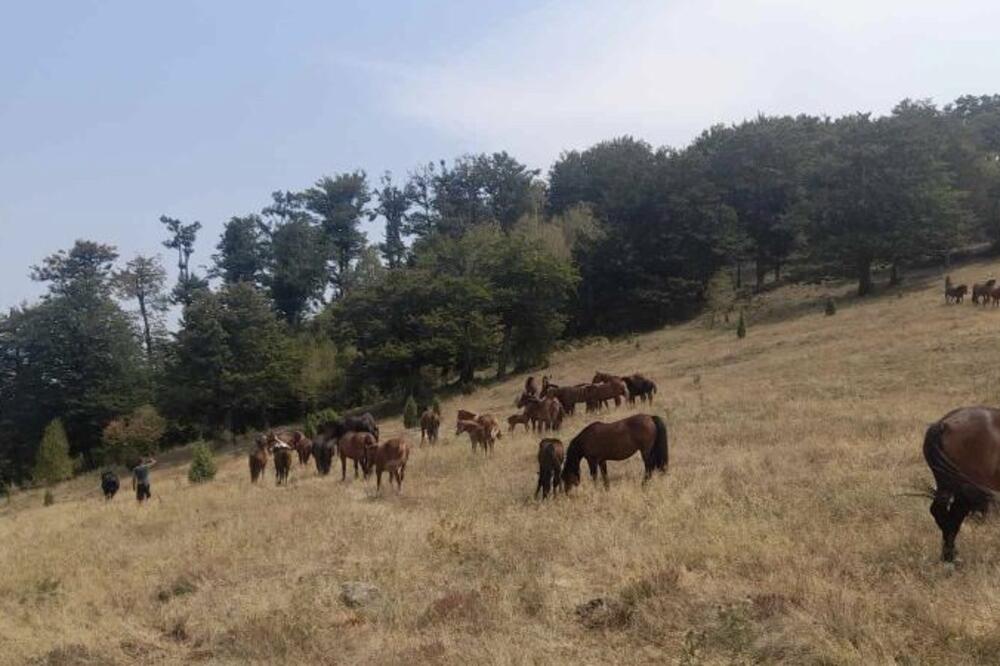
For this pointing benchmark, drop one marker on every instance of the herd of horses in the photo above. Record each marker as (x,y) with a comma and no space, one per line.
(983,293)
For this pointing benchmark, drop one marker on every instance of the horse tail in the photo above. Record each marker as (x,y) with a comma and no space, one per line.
(949,478)
(660,455)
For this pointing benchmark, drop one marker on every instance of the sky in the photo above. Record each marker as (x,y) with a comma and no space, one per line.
(113,113)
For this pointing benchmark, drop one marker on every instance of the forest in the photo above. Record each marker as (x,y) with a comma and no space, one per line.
(486,267)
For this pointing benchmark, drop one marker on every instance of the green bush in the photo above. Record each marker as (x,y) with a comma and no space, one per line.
(411,415)
(831,307)
(202,464)
(135,436)
(741,327)
(52,462)
(313,421)
(49,498)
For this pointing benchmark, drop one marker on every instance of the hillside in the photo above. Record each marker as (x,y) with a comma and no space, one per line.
(782,533)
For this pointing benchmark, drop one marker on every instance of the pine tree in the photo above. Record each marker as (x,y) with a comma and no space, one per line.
(52,462)
(202,464)
(410,415)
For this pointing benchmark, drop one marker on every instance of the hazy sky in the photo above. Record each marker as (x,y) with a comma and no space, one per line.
(113,113)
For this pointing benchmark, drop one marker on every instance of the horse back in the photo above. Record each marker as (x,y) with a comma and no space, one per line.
(970,439)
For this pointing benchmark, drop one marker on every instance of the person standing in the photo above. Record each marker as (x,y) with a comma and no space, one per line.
(140,479)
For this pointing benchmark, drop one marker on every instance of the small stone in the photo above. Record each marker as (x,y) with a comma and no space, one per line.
(356,594)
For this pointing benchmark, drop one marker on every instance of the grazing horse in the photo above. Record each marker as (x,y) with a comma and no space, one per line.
(550,461)
(982,290)
(956,294)
(531,386)
(388,456)
(322,451)
(109,484)
(640,387)
(353,445)
(962,450)
(258,458)
(477,434)
(600,442)
(514,419)
(430,422)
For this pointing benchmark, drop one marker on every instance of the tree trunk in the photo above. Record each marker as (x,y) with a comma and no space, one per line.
(503,358)
(895,274)
(864,277)
(777,269)
(145,325)
(761,268)
(739,274)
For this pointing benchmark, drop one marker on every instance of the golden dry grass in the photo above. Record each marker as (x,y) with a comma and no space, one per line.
(782,532)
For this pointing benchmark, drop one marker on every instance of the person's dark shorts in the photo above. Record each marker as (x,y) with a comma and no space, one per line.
(142,491)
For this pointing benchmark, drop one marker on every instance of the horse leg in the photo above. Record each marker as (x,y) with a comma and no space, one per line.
(959,510)
(378,481)
(343,467)
(604,474)
(593,470)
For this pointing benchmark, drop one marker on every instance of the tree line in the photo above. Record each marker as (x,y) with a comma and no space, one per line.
(485,266)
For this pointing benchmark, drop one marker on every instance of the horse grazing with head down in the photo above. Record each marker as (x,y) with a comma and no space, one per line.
(322,451)
(601,442)
(962,450)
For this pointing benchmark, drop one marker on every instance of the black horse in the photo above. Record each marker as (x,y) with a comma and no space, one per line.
(336,428)
(322,452)
(109,484)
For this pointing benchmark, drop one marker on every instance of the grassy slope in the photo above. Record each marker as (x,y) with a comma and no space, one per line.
(780,533)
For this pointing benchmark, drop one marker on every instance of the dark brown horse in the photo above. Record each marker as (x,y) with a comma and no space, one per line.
(963,452)
(322,451)
(601,442)
(568,396)
(551,454)
(258,458)
(353,445)
(390,456)
(982,290)
(955,294)
(531,386)
(282,464)
(640,387)
(597,395)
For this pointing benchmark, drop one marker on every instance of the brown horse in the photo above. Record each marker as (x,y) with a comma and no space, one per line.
(982,290)
(602,377)
(550,461)
(531,386)
(598,395)
(322,451)
(962,450)
(430,422)
(353,445)
(955,294)
(600,442)
(477,434)
(258,458)
(302,445)
(491,427)
(388,456)
(568,396)
(282,464)
(514,419)
(463,415)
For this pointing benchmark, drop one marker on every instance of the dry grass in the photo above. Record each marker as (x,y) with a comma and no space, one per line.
(781,533)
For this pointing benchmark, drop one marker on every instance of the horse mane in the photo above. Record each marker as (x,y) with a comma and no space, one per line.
(574,454)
